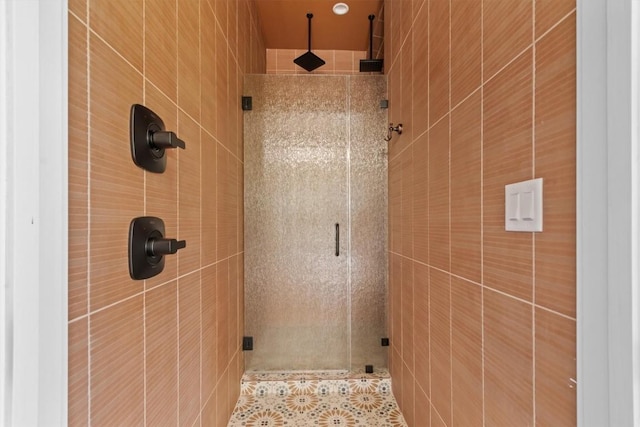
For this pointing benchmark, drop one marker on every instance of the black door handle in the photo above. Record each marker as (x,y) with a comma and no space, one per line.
(337,239)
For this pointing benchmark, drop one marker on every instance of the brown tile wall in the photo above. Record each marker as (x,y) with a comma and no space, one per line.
(164,350)
(482,322)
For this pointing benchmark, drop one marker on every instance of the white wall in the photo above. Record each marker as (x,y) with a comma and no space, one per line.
(635,144)
(607,200)
(33,240)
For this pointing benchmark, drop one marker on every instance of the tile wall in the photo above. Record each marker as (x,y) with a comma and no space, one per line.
(482,321)
(165,350)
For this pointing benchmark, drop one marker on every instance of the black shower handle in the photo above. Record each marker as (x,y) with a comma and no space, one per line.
(165,139)
(160,246)
(337,239)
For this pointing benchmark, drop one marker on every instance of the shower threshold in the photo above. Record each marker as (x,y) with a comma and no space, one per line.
(316,398)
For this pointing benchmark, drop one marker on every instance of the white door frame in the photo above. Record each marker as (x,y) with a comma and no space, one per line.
(608,300)
(33,213)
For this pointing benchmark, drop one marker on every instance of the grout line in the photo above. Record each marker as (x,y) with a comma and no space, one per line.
(516,57)
(554,26)
(77,319)
(428,115)
(176,279)
(466,98)
(482,348)
(198,123)
(349,283)
(449,225)
(177,350)
(548,310)
(533,235)
(444,116)
(200,210)
(486,287)
(177,118)
(435,410)
(481,86)
(200,343)
(429,224)
(92,31)
(505,66)
(404,37)
(82,21)
(144,210)
(88,246)
(144,355)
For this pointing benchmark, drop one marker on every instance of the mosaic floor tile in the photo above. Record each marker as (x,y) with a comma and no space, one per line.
(328,398)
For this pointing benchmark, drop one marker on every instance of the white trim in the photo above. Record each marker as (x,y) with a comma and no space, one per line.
(591,231)
(635,216)
(54,204)
(33,242)
(4,302)
(607,221)
(620,221)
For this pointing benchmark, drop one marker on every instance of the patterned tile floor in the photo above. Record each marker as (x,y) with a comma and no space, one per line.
(327,398)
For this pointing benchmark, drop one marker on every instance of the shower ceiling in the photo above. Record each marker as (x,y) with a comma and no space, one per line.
(284,25)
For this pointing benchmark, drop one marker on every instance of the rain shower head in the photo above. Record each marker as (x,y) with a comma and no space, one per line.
(371,65)
(309,60)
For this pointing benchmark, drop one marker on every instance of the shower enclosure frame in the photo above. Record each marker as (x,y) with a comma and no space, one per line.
(315,169)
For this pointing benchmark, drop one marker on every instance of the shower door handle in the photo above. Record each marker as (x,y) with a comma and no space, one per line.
(337,239)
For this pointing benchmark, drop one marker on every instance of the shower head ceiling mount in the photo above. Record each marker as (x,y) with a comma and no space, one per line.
(371,64)
(309,60)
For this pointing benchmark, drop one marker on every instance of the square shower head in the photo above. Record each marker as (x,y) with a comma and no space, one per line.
(371,65)
(309,61)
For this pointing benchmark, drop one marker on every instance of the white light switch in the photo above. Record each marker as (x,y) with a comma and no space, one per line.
(526,206)
(523,206)
(513,200)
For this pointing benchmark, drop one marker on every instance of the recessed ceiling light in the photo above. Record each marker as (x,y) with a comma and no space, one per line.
(340,8)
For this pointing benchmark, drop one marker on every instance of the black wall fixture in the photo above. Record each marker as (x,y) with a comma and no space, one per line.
(247,103)
(149,139)
(147,247)
(371,65)
(247,343)
(309,60)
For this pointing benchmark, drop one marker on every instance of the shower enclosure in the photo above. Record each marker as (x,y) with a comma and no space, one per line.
(315,222)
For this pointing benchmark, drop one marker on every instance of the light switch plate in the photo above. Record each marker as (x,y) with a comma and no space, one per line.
(523,206)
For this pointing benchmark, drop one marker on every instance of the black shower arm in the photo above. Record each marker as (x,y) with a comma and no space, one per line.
(309,16)
(371,18)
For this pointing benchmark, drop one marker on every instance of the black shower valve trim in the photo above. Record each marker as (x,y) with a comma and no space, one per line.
(165,139)
(148,247)
(150,139)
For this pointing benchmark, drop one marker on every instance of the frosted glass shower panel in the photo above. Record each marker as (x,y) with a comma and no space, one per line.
(295,193)
(315,157)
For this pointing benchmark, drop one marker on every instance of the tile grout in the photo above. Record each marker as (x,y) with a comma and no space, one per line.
(486,286)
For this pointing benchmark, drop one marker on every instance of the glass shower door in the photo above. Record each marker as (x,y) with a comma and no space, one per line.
(296,202)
